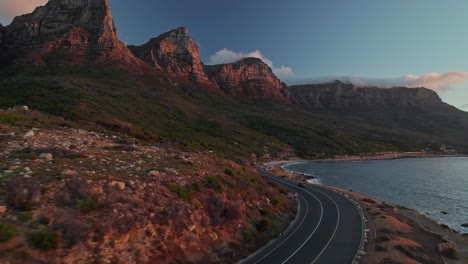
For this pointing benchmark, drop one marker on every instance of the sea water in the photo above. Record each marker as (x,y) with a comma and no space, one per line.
(436,187)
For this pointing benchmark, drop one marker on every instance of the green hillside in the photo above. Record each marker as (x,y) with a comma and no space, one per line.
(154,109)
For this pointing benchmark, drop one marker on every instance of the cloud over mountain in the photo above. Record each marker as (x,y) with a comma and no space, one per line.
(229,56)
(11,8)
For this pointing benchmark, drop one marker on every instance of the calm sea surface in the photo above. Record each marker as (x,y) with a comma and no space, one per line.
(429,185)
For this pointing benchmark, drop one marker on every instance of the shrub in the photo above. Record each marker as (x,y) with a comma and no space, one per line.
(275,201)
(213,183)
(21,194)
(43,220)
(264,224)
(451,253)
(183,191)
(89,203)
(43,239)
(228,171)
(382,239)
(7,232)
(379,247)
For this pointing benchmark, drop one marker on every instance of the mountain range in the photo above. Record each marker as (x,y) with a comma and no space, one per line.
(66,59)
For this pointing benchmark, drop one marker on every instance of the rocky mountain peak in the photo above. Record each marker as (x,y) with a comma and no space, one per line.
(176,54)
(248,78)
(67,32)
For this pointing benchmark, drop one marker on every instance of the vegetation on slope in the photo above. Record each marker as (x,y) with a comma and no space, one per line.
(155,109)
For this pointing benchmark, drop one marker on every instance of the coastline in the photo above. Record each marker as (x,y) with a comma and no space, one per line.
(431,234)
(367,156)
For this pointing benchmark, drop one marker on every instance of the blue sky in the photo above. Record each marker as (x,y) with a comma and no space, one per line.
(393,42)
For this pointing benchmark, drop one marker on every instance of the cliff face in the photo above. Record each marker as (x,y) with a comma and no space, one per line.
(177,54)
(66,32)
(174,53)
(341,96)
(247,78)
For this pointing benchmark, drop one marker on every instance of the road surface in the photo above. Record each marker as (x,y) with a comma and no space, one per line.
(327,229)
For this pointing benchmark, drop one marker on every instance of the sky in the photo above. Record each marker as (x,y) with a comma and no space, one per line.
(386,43)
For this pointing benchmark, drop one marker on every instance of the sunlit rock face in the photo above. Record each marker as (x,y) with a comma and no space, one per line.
(176,54)
(66,32)
(247,78)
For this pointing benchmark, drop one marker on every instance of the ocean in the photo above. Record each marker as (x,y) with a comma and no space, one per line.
(436,187)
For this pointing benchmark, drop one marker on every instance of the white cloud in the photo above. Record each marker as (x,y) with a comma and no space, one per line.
(11,8)
(433,80)
(228,56)
(283,72)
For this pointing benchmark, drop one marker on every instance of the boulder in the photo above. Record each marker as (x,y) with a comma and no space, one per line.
(69,172)
(29,134)
(46,156)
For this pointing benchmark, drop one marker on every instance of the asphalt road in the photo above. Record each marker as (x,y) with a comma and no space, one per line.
(327,229)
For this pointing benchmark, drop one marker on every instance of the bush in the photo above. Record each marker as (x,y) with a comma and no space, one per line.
(183,191)
(43,240)
(43,220)
(275,201)
(379,247)
(451,253)
(89,203)
(7,232)
(264,224)
(228,171)
(21,194)
(213,183)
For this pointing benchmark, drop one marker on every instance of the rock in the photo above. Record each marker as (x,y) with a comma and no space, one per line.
(213,236)
(67,32)
(171,170)
(118,185)
(46,156)
(192,228)
(154,173)
(3,209)
(340,96)
(464,225)
(69,172)
(176,54)
(29,134)
(24,108)
(247,78)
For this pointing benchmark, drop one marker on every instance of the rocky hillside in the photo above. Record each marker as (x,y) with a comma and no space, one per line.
(345,96)
(69,195)
(66,32)
(247,78)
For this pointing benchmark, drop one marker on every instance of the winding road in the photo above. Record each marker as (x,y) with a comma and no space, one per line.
(327,229)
